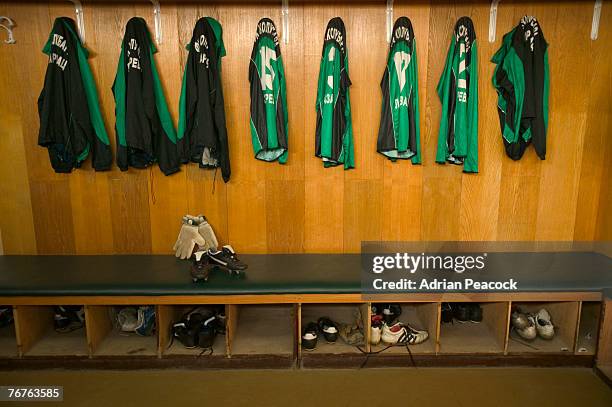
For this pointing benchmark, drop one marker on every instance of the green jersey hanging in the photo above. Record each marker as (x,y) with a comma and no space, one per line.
(521,79)
(399,132)
(334,133)
(458,92)
(269,119)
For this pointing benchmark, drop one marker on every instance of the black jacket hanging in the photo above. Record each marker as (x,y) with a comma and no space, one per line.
(71,124)
(202,134)
(145,132)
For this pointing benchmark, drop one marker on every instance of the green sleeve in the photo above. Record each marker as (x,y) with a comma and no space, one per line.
(119,90)
(92,96)
(283,94)
(442,90)
(349,155)
(182,122)
(414,68)
(470,163)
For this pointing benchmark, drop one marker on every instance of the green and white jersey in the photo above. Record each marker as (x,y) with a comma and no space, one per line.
(269,119)
(521,78)
(334,133)
(399,132)
(458,92)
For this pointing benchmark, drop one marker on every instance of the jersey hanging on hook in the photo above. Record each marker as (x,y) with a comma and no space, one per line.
(202,133)
(521,79)
(458,93)
(269,117)
(399,132)
(145,132)
(71,125)
(334,132)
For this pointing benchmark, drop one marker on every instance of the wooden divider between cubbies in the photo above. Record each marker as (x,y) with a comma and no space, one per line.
(232,313)
(97,326)
(39,320)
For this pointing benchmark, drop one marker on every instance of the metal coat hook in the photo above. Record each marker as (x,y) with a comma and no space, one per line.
(9,29)
(596,17)
(157,21)
(493,20)
(389,20)
(78,11)
(285,22)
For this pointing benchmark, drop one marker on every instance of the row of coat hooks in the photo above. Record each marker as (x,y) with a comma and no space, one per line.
(78,10)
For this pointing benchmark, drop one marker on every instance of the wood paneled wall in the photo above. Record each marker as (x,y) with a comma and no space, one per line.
(302,207)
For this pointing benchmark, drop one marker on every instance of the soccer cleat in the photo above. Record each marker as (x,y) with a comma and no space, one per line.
(68,318)
(399,333)
(329,329)
(6,315)
(226,257)
(519,320)
(447,312)
(391,312)
(200,267)
(475,313)
(309,337)
(461,312)
(529,331)
(415,336)
(544,325)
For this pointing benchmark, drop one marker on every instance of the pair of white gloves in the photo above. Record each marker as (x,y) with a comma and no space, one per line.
(195,230)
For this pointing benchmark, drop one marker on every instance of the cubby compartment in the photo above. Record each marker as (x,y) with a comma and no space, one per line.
(261,329)
(8,340)
(421,316)
(588,328)
(105,337)
(168,315)
(487,336)
(36,334)
(338,313)
(564,317)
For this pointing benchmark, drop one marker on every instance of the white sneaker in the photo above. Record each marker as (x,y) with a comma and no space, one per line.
(392,334)
(544,325)
(375,335)
(400,333)
(416,336)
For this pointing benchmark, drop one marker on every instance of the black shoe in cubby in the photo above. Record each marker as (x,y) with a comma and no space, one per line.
(475,312)
(329,329)
(461,312)
(309,336)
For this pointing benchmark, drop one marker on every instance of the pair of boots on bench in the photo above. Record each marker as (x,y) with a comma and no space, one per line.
(197,241)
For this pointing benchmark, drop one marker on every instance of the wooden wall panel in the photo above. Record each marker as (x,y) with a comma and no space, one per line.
(301,206)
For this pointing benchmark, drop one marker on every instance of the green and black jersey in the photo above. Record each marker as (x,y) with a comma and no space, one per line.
(269,117)
(399,132)
(521,79)
(71,124)
(458,92)
(334,133)
(202,133)
(145,132)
